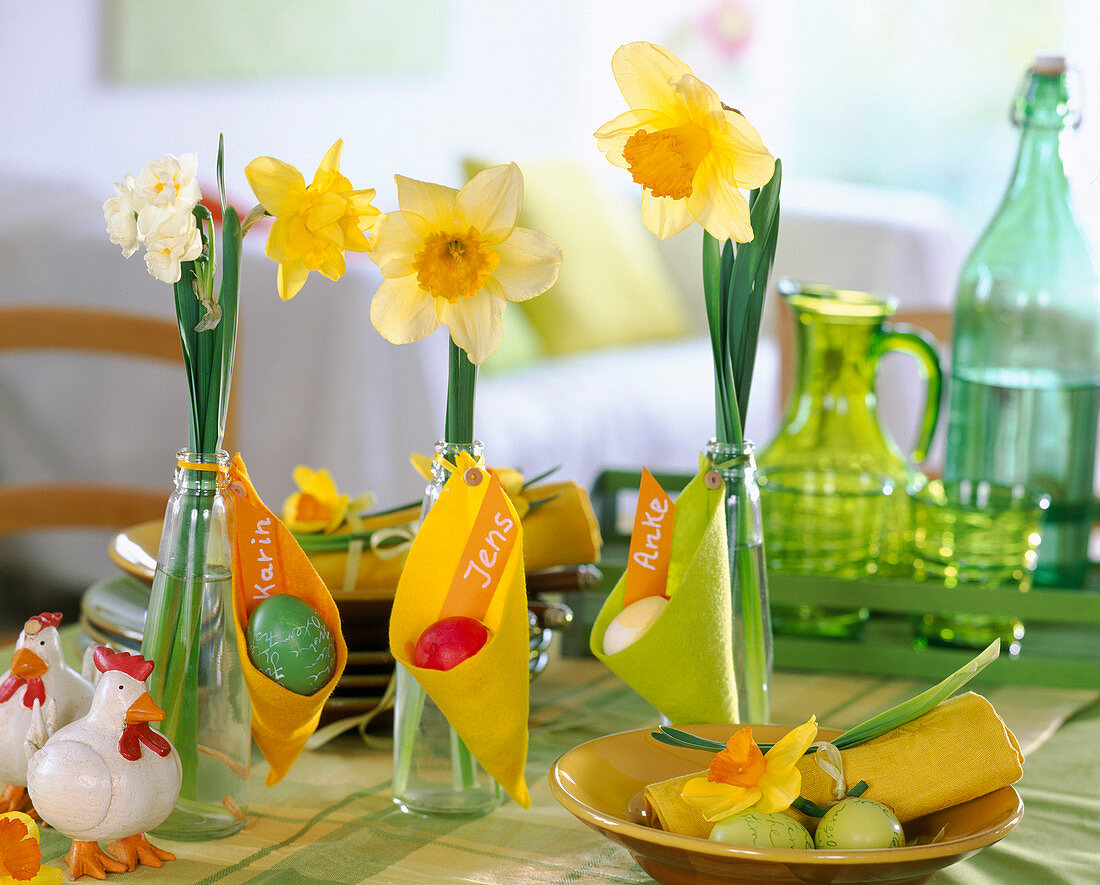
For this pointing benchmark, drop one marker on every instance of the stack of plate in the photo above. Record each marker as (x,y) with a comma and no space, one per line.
(112,612)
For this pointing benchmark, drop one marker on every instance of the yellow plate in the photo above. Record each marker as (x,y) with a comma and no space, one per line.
(134,550)
(600,782)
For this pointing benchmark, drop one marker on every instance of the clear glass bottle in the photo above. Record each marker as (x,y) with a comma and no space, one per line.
(433,771)
(189,635)
(735,464)
(1025,387)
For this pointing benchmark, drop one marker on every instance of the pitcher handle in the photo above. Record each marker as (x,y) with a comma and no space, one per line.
(922,346)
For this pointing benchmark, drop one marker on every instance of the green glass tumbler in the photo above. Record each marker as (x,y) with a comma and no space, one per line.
(824,522)
(977,534)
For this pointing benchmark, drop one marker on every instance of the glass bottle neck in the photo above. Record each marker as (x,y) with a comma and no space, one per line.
(733,460)
(1043,114)
(446,453)
(201,472)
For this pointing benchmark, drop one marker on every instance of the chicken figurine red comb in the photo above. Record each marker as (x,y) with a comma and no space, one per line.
(132,665)
(40,622)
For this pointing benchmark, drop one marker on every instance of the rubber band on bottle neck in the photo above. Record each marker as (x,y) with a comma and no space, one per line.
(204,468)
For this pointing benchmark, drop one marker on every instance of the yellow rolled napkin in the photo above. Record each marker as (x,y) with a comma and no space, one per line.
(560,531)
(282,720)
(700,687)
(959,750)
(486,697)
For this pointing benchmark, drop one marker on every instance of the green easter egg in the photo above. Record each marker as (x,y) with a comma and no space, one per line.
(859,823)
(762,830)
(290,644)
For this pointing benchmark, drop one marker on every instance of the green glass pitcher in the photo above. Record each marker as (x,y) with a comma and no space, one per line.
(831,432)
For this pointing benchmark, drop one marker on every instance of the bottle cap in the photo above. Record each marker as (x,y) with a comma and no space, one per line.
(1049,63)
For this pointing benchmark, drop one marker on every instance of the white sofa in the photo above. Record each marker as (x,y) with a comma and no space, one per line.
(318,385)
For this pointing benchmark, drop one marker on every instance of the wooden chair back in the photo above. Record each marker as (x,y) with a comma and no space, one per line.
(64,504)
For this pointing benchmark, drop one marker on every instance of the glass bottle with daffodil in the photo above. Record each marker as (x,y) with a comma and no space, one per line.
(454,258)
(694,157)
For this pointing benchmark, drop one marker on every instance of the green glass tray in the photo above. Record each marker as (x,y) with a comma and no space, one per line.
(1061,646)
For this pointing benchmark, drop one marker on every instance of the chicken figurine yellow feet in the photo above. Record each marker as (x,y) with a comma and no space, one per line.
(107,776)
(38,672)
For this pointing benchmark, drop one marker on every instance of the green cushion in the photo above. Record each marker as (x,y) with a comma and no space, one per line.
(613,288)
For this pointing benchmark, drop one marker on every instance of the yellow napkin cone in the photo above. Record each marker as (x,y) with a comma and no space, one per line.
(959,750)
(282,720)
(486,697)
(683,664)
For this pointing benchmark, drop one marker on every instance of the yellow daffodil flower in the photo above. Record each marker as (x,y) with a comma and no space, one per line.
(20,855)
(317,506)
(741,777)
(691,154)
(314,225)
(456,257)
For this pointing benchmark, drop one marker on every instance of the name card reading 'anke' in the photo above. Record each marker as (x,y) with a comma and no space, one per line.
(482,563)
(650,542)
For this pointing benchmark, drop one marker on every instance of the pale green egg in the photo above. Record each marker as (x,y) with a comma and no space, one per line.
(859,823)
(760,830)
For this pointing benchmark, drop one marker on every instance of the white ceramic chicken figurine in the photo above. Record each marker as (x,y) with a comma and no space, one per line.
(107,776)
(38,672)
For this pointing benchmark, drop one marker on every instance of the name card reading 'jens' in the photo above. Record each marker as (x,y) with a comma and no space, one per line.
(488,548)
(650,542)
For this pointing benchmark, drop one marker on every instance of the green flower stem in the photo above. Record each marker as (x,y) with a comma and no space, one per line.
(746,562)
(458,428)
(461,380)
(410,723)
(745,572)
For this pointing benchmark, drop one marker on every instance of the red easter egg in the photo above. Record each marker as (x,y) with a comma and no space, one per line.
(449,642)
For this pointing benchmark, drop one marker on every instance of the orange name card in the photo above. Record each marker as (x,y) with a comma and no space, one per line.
(650,542)
(492,537)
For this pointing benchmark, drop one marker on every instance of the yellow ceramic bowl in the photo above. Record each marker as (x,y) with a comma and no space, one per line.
(600,782)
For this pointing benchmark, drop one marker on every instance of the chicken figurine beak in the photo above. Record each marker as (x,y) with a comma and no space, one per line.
(144,709)
(27,665)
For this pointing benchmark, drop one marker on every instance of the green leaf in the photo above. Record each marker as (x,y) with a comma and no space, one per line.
(917,706)
(221,171)
(228,299)
(678,738)
(527,483)
(716,321)
(749,284)
(187,317)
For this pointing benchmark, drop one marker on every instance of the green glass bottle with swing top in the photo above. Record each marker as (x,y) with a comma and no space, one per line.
(1025,386)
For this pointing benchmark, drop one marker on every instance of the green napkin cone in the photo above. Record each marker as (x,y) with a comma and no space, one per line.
(683,664)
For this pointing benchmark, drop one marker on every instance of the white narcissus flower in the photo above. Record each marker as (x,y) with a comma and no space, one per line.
(169,182)
(171,236)
(121,215)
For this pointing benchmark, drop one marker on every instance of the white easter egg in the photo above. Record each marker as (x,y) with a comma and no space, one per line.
(629,625)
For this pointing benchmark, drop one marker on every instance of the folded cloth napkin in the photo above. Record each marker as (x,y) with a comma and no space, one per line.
(562,530)
(698,686)
(959,750)
(486,697)
(282,721)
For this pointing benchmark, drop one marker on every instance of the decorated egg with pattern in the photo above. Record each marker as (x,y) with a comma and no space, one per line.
(762,830)
(290,644)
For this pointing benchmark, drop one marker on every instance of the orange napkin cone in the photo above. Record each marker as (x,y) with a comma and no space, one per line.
(282,720)
(486,697)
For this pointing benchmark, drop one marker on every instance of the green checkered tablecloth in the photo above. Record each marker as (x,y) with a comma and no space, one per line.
(333,821)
